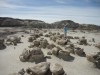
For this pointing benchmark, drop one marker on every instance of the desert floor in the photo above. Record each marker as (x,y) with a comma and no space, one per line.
(10,62)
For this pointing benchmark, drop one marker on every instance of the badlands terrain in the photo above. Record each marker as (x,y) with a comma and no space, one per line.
(76,64)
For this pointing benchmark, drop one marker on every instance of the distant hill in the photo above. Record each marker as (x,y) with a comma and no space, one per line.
(69,23)
(12,22)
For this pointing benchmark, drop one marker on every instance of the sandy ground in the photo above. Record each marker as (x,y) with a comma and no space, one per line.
(10,63)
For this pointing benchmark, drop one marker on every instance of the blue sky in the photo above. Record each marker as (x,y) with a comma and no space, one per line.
(80,11)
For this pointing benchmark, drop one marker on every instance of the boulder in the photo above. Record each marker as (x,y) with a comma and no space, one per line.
(1,40)
(90,58)
(65,55)
(25,55)
(32,54)
(57,69)
(55,51)
(2,45)
(70,48)
(83,41)
(98,45)
(49,53)
(53,38)
(95,58)
(50,33)
(70,37)
(22,71)
(79,51)
(43,68)
(30,39)
(50,46)
(36,43)
(76,37)
(62,42)
(44,43)
(39,69)
(58,33)
(14,40)
(47,35)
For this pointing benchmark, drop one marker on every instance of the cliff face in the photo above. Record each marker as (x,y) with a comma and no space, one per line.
(11,22)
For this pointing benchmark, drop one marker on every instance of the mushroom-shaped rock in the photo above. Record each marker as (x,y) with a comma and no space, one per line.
(39,69)
(57,69)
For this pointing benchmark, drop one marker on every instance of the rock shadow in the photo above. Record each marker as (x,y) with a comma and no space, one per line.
(67,58)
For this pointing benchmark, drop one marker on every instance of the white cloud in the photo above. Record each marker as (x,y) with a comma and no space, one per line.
(61,1)
(51,13)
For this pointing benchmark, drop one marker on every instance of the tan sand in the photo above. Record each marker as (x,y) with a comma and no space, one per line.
(10,63)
